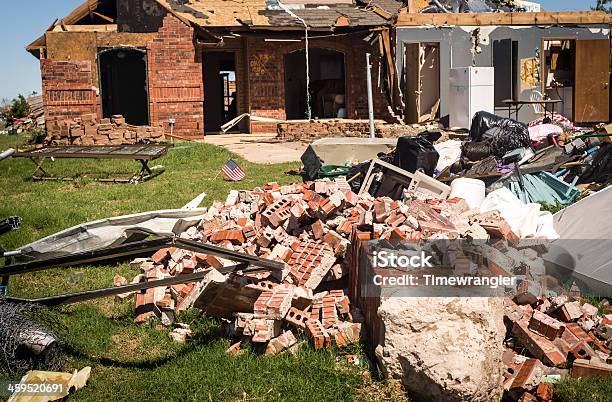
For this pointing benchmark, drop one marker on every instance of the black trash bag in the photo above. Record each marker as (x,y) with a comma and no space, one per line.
(476,151)
(414,153)
(504,135)
(312,164)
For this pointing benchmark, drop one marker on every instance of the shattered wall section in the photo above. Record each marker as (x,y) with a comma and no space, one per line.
(304,130)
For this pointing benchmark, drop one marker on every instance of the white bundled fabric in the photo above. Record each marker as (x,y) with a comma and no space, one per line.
(526,220)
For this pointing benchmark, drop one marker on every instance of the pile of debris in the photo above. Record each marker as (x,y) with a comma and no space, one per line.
(548,160)
(561,334)
(308,227)
(35,119)
(86,130)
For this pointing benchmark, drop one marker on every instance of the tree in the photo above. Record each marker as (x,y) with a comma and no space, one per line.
(19,108)
(604,5)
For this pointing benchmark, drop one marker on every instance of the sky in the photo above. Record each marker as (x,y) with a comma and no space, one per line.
(24,21)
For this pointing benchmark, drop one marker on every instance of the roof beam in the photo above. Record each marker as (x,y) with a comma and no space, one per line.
(406,19)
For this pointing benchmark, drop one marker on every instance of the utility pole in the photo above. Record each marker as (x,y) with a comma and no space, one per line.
(370,100)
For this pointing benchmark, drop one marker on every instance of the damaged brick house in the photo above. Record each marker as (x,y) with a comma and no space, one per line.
(202,63)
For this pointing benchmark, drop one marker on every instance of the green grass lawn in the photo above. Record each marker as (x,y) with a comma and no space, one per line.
(138,362)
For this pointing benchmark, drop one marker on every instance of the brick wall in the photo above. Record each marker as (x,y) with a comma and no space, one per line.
(67,89)
(175,79)
(267,78)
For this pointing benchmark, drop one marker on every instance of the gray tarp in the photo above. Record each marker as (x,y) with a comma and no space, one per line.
(113,231)
(584,249)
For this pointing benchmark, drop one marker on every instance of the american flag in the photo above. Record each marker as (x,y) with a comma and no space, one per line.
(232,171)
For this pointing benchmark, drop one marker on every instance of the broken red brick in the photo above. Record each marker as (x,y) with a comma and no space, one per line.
(160,255)
(590,368)
(538,345)
(333,239)
(317,333)
(234,349)
(281,343)
(318,230)
(275,303)
(119,280)
(351,198)
(233,235)
(277,213)
(297,317)
(545,325)
(544,392)
(529,373)
(495,225)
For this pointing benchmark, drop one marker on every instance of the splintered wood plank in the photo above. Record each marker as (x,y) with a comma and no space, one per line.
(406,18)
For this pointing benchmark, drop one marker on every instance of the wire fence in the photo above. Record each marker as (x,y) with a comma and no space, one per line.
(25,344)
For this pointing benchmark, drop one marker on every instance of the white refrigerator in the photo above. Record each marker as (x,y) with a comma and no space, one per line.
(471,91)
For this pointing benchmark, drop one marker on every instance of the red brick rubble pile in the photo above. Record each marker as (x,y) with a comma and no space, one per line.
(560,334)
(310,226)
(86,130)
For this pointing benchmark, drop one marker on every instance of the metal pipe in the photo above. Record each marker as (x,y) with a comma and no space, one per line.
(71,298)
(134,249)
(370,100)
(437,3)
(7,153)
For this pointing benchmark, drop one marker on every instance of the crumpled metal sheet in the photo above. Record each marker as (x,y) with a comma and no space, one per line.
(112,232)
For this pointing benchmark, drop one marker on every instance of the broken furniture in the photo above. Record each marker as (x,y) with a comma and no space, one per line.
(547,104)
(395,180)
(144,153)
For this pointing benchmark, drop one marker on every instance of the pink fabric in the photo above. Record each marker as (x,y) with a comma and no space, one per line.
(556,119)
(542,131)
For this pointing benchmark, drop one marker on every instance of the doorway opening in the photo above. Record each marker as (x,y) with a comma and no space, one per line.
(505,63)
(559,74)
(220,89)
(123,81)
(327,84)
(422,81)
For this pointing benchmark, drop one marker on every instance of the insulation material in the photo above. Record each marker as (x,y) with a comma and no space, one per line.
(530,73)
